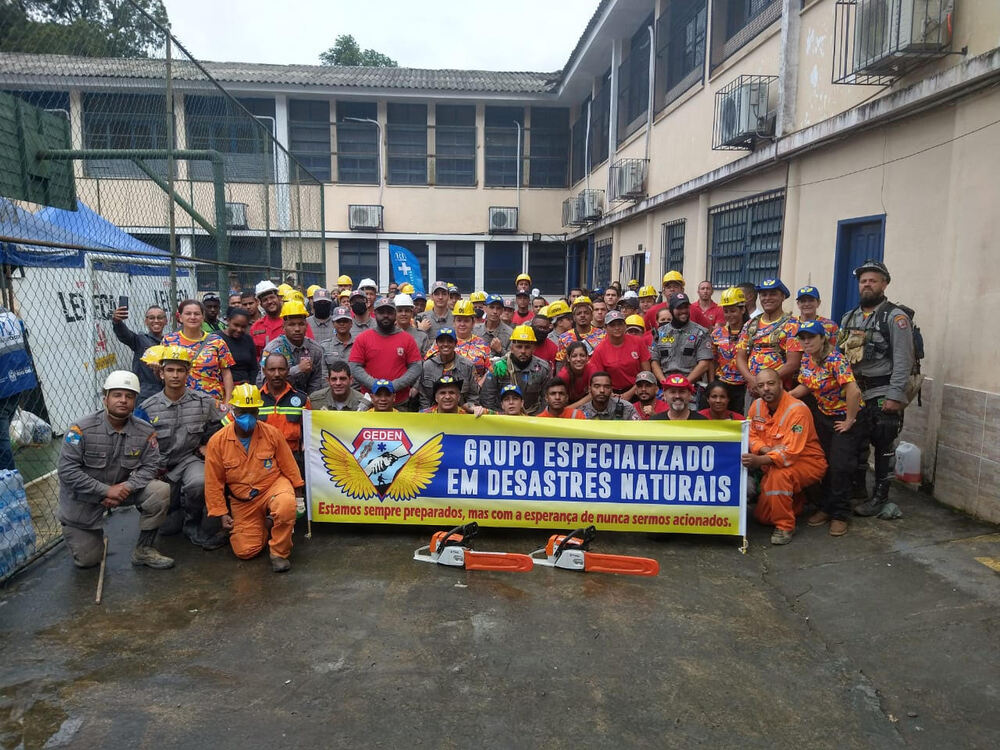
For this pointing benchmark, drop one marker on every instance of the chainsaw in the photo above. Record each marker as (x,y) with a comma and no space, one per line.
(452,548)
(571,552)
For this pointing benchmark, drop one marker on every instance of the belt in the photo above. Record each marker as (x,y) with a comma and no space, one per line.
(876,381)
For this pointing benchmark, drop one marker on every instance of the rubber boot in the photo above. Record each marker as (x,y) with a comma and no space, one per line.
(213,536)
(280,564)
(879,498)
(146,554)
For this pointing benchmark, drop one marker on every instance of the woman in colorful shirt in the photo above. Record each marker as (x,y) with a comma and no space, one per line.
(826,374)
(768,341)
(807,300)
(576,373)
(724,340)
(583,329)
(211,359)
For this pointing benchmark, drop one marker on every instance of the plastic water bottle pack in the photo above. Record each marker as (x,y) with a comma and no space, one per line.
(17,533)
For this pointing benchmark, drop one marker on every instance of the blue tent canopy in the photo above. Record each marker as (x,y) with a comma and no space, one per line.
(102,232)
(16,222)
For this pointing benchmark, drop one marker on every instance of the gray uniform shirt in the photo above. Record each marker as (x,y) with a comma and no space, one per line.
(322,400)
(437,323)
(681,348)
(358,328)
(181,427)
(531,379)
(459,367)
(893,357)
(423,343)
(616,409)
(502,332)
(323,330)
(95,456)
(301,381)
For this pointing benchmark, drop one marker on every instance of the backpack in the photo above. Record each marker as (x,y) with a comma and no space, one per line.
(774,337)
(883,322)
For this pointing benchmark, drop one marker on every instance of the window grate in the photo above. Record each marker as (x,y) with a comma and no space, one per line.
(745,242)
(672,249)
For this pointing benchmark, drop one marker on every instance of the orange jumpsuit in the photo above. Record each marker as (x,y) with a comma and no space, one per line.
(798,460)
(260,482)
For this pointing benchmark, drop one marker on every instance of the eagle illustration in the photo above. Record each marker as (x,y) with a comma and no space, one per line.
(414,475)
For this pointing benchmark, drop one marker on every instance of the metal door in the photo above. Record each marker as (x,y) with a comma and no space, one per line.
(858,240)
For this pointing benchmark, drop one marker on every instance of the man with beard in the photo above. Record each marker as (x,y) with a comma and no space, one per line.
(519,367)
(681,346)
(304,356)
(156,321)
(320,320)
(784,447)
(583,329)
(604,404)
(673,283)
(363,320)
(677,391)
(271,324)
(386,353)
(542,326)
(646,402)
(493,330)
(444,361)
(877,339)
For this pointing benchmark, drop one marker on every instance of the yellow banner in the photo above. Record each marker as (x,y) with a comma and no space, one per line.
(447,470)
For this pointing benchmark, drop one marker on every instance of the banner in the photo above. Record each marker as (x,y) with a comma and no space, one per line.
(447,470)
(406,268)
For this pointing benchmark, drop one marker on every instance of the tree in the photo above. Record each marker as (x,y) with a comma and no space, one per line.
(90,28)
(345,51)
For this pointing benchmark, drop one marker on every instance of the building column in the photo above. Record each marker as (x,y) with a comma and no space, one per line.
(384,268)
(281,163)
(788,66)
(696,260)
(790,231)
(480,265)
(616,61)
(432,262)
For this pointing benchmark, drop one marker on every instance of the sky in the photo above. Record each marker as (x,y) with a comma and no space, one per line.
(535,35)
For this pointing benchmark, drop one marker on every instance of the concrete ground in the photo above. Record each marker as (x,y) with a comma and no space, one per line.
(887,637)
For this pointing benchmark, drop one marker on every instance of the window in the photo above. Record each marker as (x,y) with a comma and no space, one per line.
(602,263)
(406,139)
(579,157)
(456,264)
(57,101)
(632,267)
(745,242)
(419,250)
(455,145)
(680,49)
(309,135)
(633,83)
(502,145)
(547,268)
(739,13)
(549,147)
(249,252)
(502,265)
(357,144)
(600,122)
(672,250)
(359,258)
(123,121)
(213,122)
(736,22)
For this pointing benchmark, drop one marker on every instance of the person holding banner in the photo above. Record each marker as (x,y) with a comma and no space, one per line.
(385,352)
(444,361)
(646,403)
(519,367)
(512,402)
(603,405)
(448,399)
(677,392)
(620,355)
(557,398)
(382,397)
(784,447)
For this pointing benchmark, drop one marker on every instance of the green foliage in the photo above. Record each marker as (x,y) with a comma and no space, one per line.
(345,51)
(89,28)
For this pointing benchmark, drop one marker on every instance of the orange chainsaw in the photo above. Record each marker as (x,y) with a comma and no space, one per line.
(452,548)
(570,552)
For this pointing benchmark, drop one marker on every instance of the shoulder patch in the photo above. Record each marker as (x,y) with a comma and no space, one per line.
(73,435)
(796,428)
(902,322)
(152,440)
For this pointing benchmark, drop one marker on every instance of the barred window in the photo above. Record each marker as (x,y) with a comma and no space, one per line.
(357,143)
(455,144)
(406,138)
(309,135)
(745,241)
(672,250)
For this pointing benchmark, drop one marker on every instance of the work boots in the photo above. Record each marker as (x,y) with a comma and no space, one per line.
(879,498)
(146,554)
(280,564)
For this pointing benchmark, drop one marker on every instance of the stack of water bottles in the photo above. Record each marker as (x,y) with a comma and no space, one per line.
(17,534)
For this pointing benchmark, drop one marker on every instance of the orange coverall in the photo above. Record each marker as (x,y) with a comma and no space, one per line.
(260,481)
(794,449)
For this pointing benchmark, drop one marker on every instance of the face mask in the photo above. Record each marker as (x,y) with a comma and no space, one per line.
(359,306)
(322,309)
(246,422)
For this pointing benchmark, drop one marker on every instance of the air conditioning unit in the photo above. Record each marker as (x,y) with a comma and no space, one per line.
(591,205)
(236,216)
(887,30)
(571,212)
(742,113)
(629,176)
(503,219)
(364,218)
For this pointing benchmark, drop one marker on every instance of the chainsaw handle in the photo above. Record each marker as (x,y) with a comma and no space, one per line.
(465,533)
(585,535)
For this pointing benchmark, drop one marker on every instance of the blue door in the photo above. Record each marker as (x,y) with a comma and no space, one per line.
(858,240)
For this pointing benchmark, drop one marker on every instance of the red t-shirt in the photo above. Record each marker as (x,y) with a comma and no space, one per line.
(623,362)
(658,408)
(266,329)
(519,319)
(650,316)
(707,414)
(547,350)
(567,413)
(581,387)
(386,356)
(709,318)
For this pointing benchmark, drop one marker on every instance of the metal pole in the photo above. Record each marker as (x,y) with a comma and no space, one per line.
(171,218)
(221,231)
(518,185)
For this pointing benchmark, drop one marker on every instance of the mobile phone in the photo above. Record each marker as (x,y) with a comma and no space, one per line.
(123,300)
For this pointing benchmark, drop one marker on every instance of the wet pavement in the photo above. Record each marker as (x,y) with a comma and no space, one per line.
(887,637)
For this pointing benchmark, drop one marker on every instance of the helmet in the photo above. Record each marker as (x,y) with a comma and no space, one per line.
(344,280)
(403,300)
(582,300)
(477,297)
(463,307)
(733,296)
(175,353)
(542,312)
(633,283)
(558,309)
(294,296)
(678,381)
(522,277)
(122,380)
(246,396)
(673,276)
(293,309)
(873,265)
(152,355)
(647,291)
(312,290)
(429,306)
(264,287)
(284,288)
(452,289)
(768,284)
(635,320)
(524,333)
(406,288)
(344,293)
(368,284)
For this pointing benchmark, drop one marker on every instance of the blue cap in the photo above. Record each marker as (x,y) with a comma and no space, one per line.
(813,327)
(807,291)
(449,332)
(599,292)
(510,388)
(381,383)
(773,284)
(493,299)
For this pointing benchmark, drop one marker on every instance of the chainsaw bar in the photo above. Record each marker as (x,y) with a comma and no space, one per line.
(451,548)
(570,552)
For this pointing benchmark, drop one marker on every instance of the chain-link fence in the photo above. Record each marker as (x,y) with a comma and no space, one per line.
(126,170)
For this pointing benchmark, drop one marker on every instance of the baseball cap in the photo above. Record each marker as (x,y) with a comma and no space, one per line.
(341,313)
(321,294)
(446,380)
(493,299)
(446,332)
(807,291)
(678,299)
(357,293)
(773,284)
(613,316)
(645,376)
(381,383)
(811,326)
(522,293)
(211,295)
(509,302)
(678,381)
(384,302)
(509,389)
(439,285)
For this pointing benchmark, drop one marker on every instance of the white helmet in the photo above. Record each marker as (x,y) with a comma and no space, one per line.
(403,300)
(123,380)
(368,282)
(263,287)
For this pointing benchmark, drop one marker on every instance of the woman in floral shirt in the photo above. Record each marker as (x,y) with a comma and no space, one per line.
(211,359)
(724,339)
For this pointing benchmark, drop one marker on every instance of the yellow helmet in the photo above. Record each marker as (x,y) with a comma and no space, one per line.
(635,320)
(524,333)
(733,296)
(312,290)
(152,355)
(647,291)
(463,307)
(477,297)
(633,282)
(429,306)
(543,311)
(246,396)
(345,280)
(557,309)
(284,288)
(175,353)
(522,277)
(344,293)
(406,288)
(582,300)
(673,276)
(293,308)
